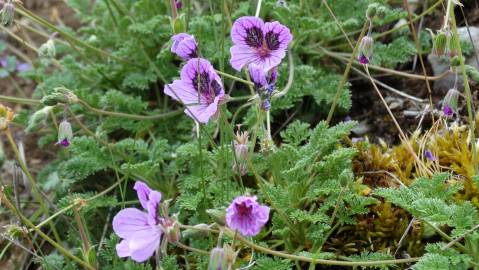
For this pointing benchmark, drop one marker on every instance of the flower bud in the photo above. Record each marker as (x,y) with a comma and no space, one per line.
(450,102)
(199,230)
(6,116)
(428,154)
(38,118)
(47,50)
(65,133)
(241,152)
(439,44)
(171,228)
(455,61)
(381,12)
(345,178)
(217,215)
(178,24)
(371,11)
(178,4)
(60,95)
(7,13)
(452,45)
(15,231)
(217,259)
(265,105)
(366,50)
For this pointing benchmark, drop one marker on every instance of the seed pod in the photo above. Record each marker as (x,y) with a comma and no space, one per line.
(439,44)
(65,134)
(199,230)
(366,50)
(179,24)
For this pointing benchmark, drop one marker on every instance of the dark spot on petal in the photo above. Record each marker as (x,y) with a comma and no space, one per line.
(203,84)
(254,37)
(272,40)
(216,87)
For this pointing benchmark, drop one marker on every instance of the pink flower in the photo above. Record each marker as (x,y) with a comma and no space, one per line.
(259,43)
(246,215)
(184,46)
(139,230)
(199,89)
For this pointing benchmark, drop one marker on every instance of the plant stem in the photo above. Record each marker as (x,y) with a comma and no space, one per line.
(339,90)
(28,223)
(36,192)
(467,89)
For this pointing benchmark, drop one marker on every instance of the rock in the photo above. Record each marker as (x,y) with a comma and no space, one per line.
(441,64)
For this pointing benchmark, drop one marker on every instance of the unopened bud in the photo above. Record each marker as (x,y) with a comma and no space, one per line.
(60,95)
(265,105)
(440,44)
(14,231)
(199,230)
(7,13)
(178,24)
(371,11)
(218,216)
(171,228)
(38,118)
(366,50)
(345,178)
(65,134)
(217,259)
(241,151)
(381,12)
(6,116)
(455,61)
(452,46)
(450,102)
(47,49)
(472,73)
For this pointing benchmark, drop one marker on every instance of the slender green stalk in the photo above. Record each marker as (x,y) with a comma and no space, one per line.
(35,190)
(29,224)
(229,76)
(339,90)
(467,88)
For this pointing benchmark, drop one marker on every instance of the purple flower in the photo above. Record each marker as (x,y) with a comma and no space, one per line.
(256,42)
(448,111)
(264,83)
(246,215)
(428,154)
(184,46)
(139,230)
(366,50)
(65,133)
(200,90)
(178,4)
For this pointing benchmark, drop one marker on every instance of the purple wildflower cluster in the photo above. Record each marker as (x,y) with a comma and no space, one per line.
(142,232)
(257,45)
(260,46)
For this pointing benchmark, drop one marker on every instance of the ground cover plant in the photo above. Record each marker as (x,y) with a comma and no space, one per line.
(256,134)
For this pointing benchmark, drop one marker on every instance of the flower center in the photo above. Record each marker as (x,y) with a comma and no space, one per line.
(207,88)
(243,209)
(264,51)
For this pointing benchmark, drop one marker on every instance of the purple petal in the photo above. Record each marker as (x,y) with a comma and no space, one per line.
(448,111)
(182,92)
(242,55)
(248,31)
(273,77)
(363,59)
(122,249)
(257,75)
(143,192)
(277,36)
(22,67)
(246,215)
(64,143)
(143,244)
(129,221)
(203,112)
(185,46)
(428,154)
(152,207)
(177,39)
